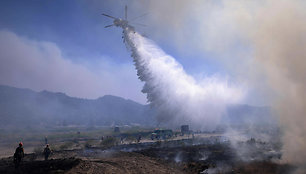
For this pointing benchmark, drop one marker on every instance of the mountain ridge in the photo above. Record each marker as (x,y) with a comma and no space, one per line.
(25,107)
(42,106)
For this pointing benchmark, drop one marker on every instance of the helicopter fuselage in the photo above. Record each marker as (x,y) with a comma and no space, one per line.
(124,24)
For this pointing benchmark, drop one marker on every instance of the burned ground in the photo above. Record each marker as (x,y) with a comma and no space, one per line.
(175,156)
(118,162)
(263,167)
(37,167)
(220,158)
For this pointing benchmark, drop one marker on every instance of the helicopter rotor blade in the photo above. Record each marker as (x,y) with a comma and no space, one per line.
(109,26)
(139,17)
(143,25)
(108,16)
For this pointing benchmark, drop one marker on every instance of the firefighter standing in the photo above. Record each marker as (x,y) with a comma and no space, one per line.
(139,138)
(18,155)
(47,152)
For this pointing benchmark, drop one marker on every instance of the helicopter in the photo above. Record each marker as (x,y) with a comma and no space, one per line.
(125,24)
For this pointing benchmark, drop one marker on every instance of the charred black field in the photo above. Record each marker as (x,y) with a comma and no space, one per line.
(153,86)
(207,153)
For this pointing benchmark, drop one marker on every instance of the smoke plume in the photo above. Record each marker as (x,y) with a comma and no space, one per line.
(275,33)
(280,42)
(272,62)
(177,96)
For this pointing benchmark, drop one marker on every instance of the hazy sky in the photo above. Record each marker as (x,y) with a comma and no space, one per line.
(258,45)
(63,46)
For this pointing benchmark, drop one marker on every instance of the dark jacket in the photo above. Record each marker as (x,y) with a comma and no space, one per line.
(47,151)
(19,152)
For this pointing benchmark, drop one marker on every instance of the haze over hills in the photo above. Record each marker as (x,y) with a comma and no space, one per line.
(24,107)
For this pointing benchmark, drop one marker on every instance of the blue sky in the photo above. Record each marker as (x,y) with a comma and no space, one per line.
(77,27)
(76,30)
(73,25)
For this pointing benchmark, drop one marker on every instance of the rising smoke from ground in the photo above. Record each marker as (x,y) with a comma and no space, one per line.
(280,42)
(179,99)
(275,32)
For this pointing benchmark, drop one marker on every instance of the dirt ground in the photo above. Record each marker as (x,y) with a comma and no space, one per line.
(133,163)
(124,162)
(119,162)
(150,160)
(206,156)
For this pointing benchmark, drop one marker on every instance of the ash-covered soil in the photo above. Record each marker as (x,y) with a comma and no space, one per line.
(125,162)
(184,156)
(39,166)
(220,158)
(117,162)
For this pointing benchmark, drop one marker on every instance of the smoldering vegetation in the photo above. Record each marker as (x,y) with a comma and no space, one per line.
(249,140)
(235,134)
(30,116)
(271,62)
(202,153)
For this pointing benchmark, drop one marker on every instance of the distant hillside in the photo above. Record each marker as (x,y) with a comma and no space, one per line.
(24,107)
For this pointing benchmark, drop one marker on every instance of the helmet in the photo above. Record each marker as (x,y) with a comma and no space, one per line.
(20,144)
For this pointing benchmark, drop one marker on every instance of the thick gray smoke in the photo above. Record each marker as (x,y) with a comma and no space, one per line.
(280,42)
(275,30)
(178,97)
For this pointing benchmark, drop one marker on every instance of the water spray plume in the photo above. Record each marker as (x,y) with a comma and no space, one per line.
(177,96)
